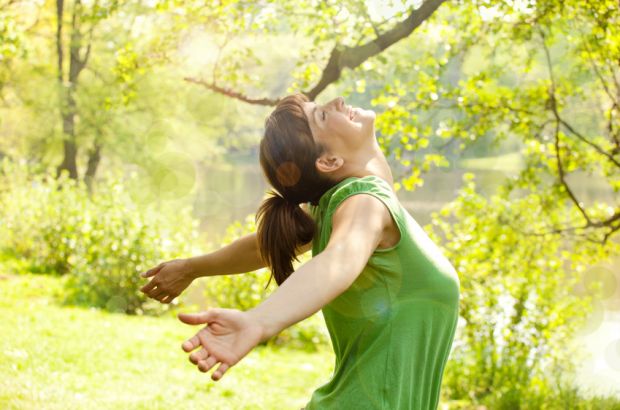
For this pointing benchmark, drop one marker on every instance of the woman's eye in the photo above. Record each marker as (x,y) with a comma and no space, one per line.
(323,115)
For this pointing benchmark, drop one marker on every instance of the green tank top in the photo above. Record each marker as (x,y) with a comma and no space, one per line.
(392,329)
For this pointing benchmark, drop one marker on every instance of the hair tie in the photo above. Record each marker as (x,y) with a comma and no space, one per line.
(288,201)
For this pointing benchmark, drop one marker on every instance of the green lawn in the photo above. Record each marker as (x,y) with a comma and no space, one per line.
(54,357)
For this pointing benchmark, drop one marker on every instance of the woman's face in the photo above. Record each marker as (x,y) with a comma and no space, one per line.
(342,129)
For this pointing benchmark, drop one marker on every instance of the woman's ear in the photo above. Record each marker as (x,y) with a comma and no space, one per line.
(329,163)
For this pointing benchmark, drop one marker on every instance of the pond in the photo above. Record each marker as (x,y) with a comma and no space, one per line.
(227,194)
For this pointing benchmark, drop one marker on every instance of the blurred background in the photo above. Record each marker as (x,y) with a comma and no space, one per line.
(129,135)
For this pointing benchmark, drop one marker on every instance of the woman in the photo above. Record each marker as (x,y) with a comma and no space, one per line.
(388,295)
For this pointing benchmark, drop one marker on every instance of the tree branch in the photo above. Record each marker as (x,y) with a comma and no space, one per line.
(343,57)
(562,176)
(233,94)
(598,73)
(590,143)
(554,108)
(59,12)
(351,57)
(75,43)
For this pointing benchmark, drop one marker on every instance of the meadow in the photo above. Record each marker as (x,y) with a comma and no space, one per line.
(62,357)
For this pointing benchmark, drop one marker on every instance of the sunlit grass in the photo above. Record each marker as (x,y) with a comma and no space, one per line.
(54,357)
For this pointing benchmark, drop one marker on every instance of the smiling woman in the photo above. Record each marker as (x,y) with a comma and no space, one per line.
(389,297)
(340,127)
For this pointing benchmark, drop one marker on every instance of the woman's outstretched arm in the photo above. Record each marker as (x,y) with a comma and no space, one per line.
(358,226)
(240,256)
(357,229)
(171,278)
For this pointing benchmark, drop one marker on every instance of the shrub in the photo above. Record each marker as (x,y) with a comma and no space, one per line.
(100,240)
(521,304)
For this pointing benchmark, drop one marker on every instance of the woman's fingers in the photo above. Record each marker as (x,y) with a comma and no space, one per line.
(205,362)
(229,335)
(198,356)
(167,299)
(199,318)
(205,365)
(153,271)
(149,286)
(158,293)
(191,343)
(217,375)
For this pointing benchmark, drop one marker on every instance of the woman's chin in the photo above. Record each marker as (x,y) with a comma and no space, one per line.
(368,122)
(364,117)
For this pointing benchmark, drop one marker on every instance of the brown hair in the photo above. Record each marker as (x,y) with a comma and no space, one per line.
(287,156)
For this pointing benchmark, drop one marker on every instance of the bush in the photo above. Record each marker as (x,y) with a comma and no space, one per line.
(102,241)
(523,298)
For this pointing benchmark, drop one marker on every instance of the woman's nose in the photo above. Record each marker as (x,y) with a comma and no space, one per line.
(339,103)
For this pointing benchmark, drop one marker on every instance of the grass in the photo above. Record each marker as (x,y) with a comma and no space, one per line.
(58,357)
(55,357)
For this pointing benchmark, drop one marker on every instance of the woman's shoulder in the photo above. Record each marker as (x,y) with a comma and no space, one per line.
(372,184)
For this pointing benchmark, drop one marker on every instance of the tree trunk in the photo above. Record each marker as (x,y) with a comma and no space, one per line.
(94,157)
(69,161)
(68,105)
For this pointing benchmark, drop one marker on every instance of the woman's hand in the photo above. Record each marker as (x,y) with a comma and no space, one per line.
(169,280)
(229,335)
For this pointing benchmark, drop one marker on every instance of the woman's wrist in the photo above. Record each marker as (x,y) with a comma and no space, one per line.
(268,329)
(193,270)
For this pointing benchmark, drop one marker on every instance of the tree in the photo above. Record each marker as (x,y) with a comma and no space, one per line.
(366,44)
(492,103)
(83,22)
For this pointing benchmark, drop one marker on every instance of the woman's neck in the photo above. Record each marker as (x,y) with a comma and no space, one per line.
(371,163)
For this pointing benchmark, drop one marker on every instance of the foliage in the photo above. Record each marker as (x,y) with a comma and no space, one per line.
(476,77)
(102,241)
(524,75)
(247,290)
(11,42)
(521,297)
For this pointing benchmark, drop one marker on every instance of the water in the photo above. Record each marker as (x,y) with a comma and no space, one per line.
(230,193)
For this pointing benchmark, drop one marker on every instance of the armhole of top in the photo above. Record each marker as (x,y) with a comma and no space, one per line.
(387,204)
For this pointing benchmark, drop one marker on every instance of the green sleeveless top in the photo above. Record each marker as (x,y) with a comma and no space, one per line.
(392,329)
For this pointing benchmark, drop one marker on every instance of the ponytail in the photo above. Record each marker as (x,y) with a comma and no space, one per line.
(287,155)
(282,227)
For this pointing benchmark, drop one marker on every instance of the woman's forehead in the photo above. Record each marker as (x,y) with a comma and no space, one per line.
(310,108)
